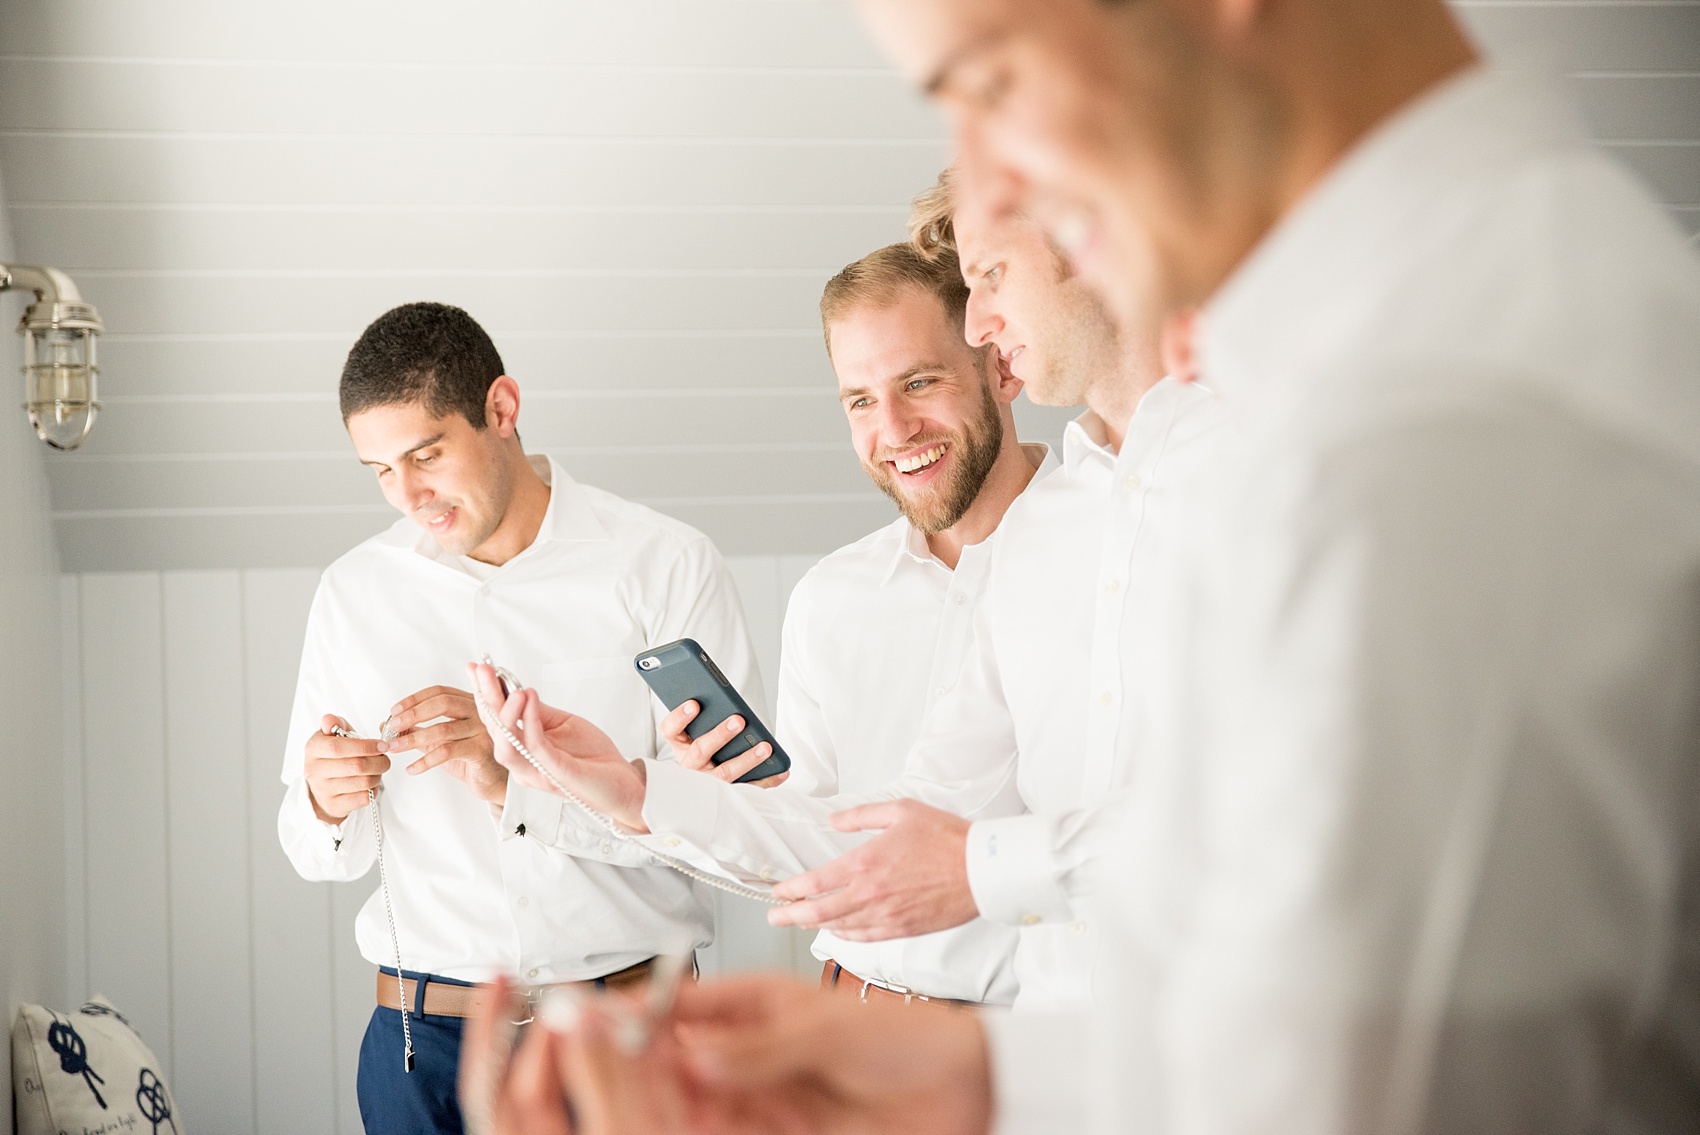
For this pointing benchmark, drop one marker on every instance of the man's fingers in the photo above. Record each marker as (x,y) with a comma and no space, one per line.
(773,781)
(827,877)
(343,768)
(489,687)
(330,723)
(430,737)
(731,770)
(837,910)
(871,817)
(443,702)
(469,750)
(673,725)
(702,750)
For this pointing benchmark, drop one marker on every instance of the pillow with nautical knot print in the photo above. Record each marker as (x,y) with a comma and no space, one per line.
(86,1073)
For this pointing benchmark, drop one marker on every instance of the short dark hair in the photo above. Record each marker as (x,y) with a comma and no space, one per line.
(422,352)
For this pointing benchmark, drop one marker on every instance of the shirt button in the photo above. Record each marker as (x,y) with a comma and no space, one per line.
(1132,482)
(671,841)
(607,848)
(531,973)
(1030,920)
(1077,928)
(960,598)
(523,902)
(939,693)
(1113,586)
(1106,698)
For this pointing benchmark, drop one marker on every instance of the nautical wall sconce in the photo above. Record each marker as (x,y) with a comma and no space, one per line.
(60,370)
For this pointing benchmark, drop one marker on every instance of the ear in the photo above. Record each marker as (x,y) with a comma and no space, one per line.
(1005,386)
(1179,330)
(501,406)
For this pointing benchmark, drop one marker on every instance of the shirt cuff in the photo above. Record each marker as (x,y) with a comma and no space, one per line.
(1012,872)
(1039,1084)
(529,812)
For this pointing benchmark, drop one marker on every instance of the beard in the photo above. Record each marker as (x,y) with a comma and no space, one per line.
(973,452)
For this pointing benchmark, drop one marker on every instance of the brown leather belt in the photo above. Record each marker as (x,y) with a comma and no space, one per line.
(443,1000)
(834,978)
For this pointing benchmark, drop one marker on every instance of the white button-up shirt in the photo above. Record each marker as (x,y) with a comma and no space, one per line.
(477,891)
(1413,841)
(874,636)
(1040,698)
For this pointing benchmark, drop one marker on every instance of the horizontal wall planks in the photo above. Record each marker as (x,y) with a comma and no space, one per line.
(464,170)
(1609,35)
(640,198)
(515,33)
(543,361)
(615,239)
(357,98)
(177,303)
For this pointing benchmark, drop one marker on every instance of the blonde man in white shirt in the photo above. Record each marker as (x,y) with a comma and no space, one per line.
(504,555)
(1414,845)
(883,622)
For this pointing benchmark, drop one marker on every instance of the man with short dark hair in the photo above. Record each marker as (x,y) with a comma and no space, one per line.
(505,555)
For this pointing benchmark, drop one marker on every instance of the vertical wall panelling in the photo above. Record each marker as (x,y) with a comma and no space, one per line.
(206,767)
(125,787)
(76,983)
(295,1059)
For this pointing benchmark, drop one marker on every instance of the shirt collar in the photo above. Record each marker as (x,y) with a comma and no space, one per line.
(1328,265)
(912,549)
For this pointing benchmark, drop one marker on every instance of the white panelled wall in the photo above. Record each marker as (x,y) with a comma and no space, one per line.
(182,908)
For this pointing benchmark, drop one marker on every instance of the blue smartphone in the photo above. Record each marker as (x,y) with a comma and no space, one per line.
(682,671)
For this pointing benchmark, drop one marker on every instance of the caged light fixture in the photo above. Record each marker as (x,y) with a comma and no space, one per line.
(60,371)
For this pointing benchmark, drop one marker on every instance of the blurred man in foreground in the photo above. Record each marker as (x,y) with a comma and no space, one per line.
(1413,843)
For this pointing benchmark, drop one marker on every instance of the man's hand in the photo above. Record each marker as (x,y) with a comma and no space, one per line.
(339,770)
(698,755)
(910,879)
(459,745)
(575,1078)
(575,751)
(822,1063)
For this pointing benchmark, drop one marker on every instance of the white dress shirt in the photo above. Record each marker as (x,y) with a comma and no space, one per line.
(479,890)
(1413,839)
(1025,735)
(874,636)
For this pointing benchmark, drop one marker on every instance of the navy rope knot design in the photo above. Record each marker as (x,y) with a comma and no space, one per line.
(150,1097)
(74,1056)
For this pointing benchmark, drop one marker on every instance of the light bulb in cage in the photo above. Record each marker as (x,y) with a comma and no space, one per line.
(61,371)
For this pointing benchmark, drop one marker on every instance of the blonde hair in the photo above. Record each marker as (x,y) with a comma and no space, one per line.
(884,276)
(932,227)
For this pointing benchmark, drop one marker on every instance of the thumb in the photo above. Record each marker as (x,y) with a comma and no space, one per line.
(330,723)
(869,817)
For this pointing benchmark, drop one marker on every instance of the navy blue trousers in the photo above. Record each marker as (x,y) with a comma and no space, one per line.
(421,1102)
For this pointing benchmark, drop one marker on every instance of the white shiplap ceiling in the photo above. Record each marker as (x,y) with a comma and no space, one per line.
(640,199)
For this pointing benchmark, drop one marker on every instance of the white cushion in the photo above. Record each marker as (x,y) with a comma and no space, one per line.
(89,1072)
